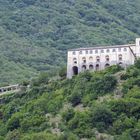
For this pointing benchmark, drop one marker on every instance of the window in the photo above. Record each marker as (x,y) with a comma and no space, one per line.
(91,52)
(75,70)
(102,51)
(80,52)
(96,51)
(84,67)
(97,67)
(121,64)
(73,52)
(125,49)
(120,57)
(91,67)
(98,59)
(107,50)
(107,58)
(107,65)
(84,60)
(91,58)
(114,50)
(119,49)
(86,51)
(74,60)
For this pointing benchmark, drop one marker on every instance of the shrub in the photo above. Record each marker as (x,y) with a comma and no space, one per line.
(102,118)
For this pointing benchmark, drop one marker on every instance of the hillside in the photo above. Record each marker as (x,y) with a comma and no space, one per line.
(101,105)
(35,34)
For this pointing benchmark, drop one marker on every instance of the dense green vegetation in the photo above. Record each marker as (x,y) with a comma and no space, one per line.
(35,34)
(34,37)
(98,105)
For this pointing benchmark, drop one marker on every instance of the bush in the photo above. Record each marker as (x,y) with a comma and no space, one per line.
(68,115)
(13,135)
(105,84)
(14,122)
(137,63)
(102,118)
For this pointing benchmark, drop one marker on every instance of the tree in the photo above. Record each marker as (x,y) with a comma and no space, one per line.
(102,118)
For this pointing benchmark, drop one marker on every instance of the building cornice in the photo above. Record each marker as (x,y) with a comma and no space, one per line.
(102,47)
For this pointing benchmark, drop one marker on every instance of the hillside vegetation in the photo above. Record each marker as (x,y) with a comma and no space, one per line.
(101,105)
(35,34)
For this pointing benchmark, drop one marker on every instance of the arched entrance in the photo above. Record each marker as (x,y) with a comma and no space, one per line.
(75,70)
(90,58)
(84,67)
(121,64)
(74,60)
(107,58)
(84,60)
(90,67)
(98,59)
(107,65)
(97,67)
(120,57)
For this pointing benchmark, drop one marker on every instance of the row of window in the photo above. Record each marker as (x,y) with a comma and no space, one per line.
(107,58)
(91,67)
(101,51)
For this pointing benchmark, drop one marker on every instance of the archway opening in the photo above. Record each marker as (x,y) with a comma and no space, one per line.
(74,60)
(107,65)
(91,67)
(121,64)
(98,59)
(107,57)
(91,58)
(120,57)
(84,67)
(97,67)
(75,70)
(84,60)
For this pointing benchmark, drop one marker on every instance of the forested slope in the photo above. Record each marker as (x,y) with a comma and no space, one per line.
(92,106)
(35,34)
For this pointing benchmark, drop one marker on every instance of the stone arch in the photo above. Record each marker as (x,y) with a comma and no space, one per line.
(98,58)
(120,64)
(91,67)
(97,67)
(90,58)
(107,65)
(75,60)
(120,57)
(84,60)
(84,67)
(107,57)
(75,70)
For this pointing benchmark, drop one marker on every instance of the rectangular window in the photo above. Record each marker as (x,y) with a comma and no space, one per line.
(114,50)
(96,51)
(80,52)
(86,51)
(91,52)
(73,52)
(125,49)
(107,50)
(102,51)
(119,49)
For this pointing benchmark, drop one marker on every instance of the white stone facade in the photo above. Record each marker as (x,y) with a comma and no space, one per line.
(98,58)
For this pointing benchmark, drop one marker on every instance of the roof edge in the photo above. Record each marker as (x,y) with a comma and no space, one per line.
(102,47)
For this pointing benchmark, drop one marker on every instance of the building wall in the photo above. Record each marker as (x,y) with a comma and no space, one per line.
(87,57)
